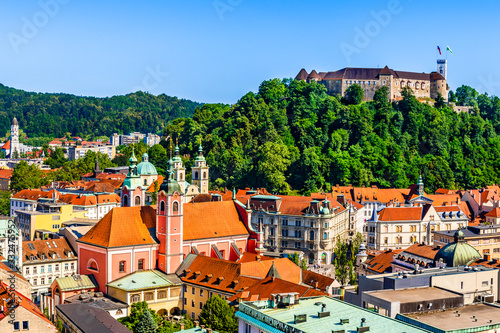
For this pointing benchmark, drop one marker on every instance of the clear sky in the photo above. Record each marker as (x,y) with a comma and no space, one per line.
(218,50)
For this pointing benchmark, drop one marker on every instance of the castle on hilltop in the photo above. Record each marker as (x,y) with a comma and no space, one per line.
(424,85)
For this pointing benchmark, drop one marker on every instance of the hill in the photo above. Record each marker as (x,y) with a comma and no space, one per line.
(291,136)
(46,114)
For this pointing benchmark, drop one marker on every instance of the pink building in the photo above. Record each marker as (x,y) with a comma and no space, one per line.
(130,239)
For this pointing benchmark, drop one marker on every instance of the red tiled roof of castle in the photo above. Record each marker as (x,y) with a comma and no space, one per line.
(113,230)
(212,220)
(263,290)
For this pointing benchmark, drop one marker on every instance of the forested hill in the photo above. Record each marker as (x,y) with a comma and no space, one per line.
(292,136)
(44,114)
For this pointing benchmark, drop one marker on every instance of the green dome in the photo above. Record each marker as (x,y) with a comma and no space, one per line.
(458,253)
(170,185)
(146,168)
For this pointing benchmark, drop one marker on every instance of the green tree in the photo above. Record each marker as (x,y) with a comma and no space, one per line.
(440,103)
(218,315)
(56,159)
(353,95)
(147,324)
(273,161)
(5,203)
(26,176)
(294,258)
(344,264)
(303,264)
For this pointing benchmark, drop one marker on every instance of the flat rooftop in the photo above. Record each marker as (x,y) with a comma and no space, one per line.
(412,295)
(450,321)
(313,324)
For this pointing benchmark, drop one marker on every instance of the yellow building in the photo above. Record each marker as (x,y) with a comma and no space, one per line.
(48,216)
(162,292)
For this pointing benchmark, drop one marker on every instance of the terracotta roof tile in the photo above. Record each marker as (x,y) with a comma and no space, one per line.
(152,188)
(493,213)
(286,268)
(422,250)
(113,230)
(318,281)
(264,289)
(212,219)
(6,173)
(47,247)
(382,262)
(401,214)
(6,146)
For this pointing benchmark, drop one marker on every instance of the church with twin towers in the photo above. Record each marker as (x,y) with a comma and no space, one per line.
(143,181)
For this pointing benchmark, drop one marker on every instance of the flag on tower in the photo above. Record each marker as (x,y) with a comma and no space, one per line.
(439,49)
(448,49)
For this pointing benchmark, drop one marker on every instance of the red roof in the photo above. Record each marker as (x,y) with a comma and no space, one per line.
(47,247)
(422,250)
(263,290)
(382,263)
(6,146)
(212,220)
(5,173)
(401,214)
(114,229)
(493,213)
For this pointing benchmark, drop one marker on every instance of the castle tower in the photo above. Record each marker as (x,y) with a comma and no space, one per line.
(199,172)
(179,170)
(169,222)
(14,138)
(442,68)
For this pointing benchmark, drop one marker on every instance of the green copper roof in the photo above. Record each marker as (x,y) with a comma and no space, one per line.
(200,156)
(133,158)
(458,253)
(177,156)
(170,184)
(146,168)
(76,282)
(145,280)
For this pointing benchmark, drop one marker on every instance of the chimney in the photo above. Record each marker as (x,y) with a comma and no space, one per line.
(182,326)
(209,330)
(196,323)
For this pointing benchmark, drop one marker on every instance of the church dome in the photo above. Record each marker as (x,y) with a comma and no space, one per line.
(146,168)
(458,253)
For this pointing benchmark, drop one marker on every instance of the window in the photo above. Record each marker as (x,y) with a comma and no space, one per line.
(72,266)
(325,225)
(137,200)
(162,294)
(119,312)
(28,270)
(399,228)
(122,266)
(484,284)
(145,182)
(149,296)
(201,292)
(140,265)
(284,232)
(204,175)
(413,228)
(34,270)
(311,235)
(201,305)
(386,240)
(298,233)
(285,222)
(196,175)
(325,235)
(162,206)
(284,244)
(192,315)
(192,303)
(42,281)
(185,301)
(35,282)
(193,290)
(136,298)
(297,245)
(16,326)
(271,231)
(462,285)
(297,223)
(312,224)
(185,288)
(49,268)
(66,266)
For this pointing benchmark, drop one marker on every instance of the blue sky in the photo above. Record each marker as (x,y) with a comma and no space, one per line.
(218,50)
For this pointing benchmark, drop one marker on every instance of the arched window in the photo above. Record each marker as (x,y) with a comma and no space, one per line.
(325,235)
(149,296)
(311,235)
(196,175)
(140,264)
(92,265)
(417,85)
(162,294)
(181,176)
(119,312)
(135,298)
(137,200)
(145,182)
(175,206)
(162,206)
(125,201)
(205,175)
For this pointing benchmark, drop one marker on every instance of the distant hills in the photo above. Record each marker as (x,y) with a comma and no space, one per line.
(48,114)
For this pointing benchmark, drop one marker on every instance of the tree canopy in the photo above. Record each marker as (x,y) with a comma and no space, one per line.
(218,315)
(291,136)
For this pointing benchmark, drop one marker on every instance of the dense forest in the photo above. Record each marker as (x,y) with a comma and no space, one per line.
(57,114)
(292,137)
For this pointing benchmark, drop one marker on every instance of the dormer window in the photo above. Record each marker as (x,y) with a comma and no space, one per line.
(219,280)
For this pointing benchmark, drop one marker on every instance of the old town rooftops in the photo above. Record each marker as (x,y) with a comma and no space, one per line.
(113,230)
(47,250)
